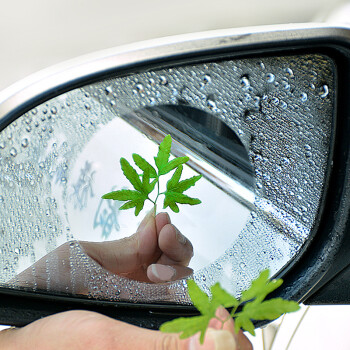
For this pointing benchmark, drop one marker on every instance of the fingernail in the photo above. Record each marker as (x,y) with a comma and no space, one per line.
(180,237)
(214,340)
(163,272)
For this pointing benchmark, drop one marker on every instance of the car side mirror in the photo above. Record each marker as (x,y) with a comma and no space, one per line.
(263,115)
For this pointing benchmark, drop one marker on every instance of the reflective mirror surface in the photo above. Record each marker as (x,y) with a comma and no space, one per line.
(258,130)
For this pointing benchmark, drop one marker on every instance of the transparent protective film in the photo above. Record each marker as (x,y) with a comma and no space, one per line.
(258,130)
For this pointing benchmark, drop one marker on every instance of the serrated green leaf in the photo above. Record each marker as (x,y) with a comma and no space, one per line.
(242,321)
(174,207)
(261,287)
(131,174)
(269,309)
(184,184)
(137,204)
(187,326)
(123,195)
(163,153)
(144,165)
(175,178)
(199,298)
(147,186)
(173,164)
(221,297)
(172,197)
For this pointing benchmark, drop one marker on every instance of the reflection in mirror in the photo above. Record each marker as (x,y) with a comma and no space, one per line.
(259,132)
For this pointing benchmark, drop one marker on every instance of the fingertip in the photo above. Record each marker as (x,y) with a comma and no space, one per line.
(162,219)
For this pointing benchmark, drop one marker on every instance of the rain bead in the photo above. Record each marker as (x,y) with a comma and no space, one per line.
(212,105)
(28,128)
(307,147)
(289,72)
(139,88)
(54,110)
(323,91)
(207,79)
(2,144)
(245,84)
(152,82)
(108,90)
(163,80)
(25,143)
(284,105)
(270,78)
(303,97)
(87,106)
(13,152)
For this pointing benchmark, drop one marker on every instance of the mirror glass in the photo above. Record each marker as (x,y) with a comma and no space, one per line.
(258,130)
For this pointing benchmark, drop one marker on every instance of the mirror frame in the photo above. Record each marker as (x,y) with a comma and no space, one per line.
(316,265)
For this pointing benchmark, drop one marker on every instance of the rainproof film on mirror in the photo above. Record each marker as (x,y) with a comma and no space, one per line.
(259,132)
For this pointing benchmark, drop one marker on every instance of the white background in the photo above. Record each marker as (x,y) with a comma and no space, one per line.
(35,34)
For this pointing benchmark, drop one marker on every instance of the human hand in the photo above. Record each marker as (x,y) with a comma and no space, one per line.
(88,330)
(157,252)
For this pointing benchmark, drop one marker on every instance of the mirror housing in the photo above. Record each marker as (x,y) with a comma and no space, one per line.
(320,268)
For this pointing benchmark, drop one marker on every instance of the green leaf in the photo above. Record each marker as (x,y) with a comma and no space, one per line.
(144,165)
(184,184)
(175,197)
(131,174)
(163,153)
(123,195)
(173,164)
(221,297)
(137,204)
(187,326)
(199,298)
(261,287)
(242,321)
(175,178)
(269,309)
(147,186)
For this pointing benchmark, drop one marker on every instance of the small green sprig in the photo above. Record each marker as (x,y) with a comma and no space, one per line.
(252,302)
(145,183)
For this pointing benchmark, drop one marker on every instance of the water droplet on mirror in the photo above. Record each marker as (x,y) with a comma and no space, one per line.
(303,97)
(139,88)
(212,105)
(54,110)
(323,91)
(108,90)
(270,78)
(25,143)
(2,144)
(245,84)
(289,72)
(13,152)
(163,80)
(207,79)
